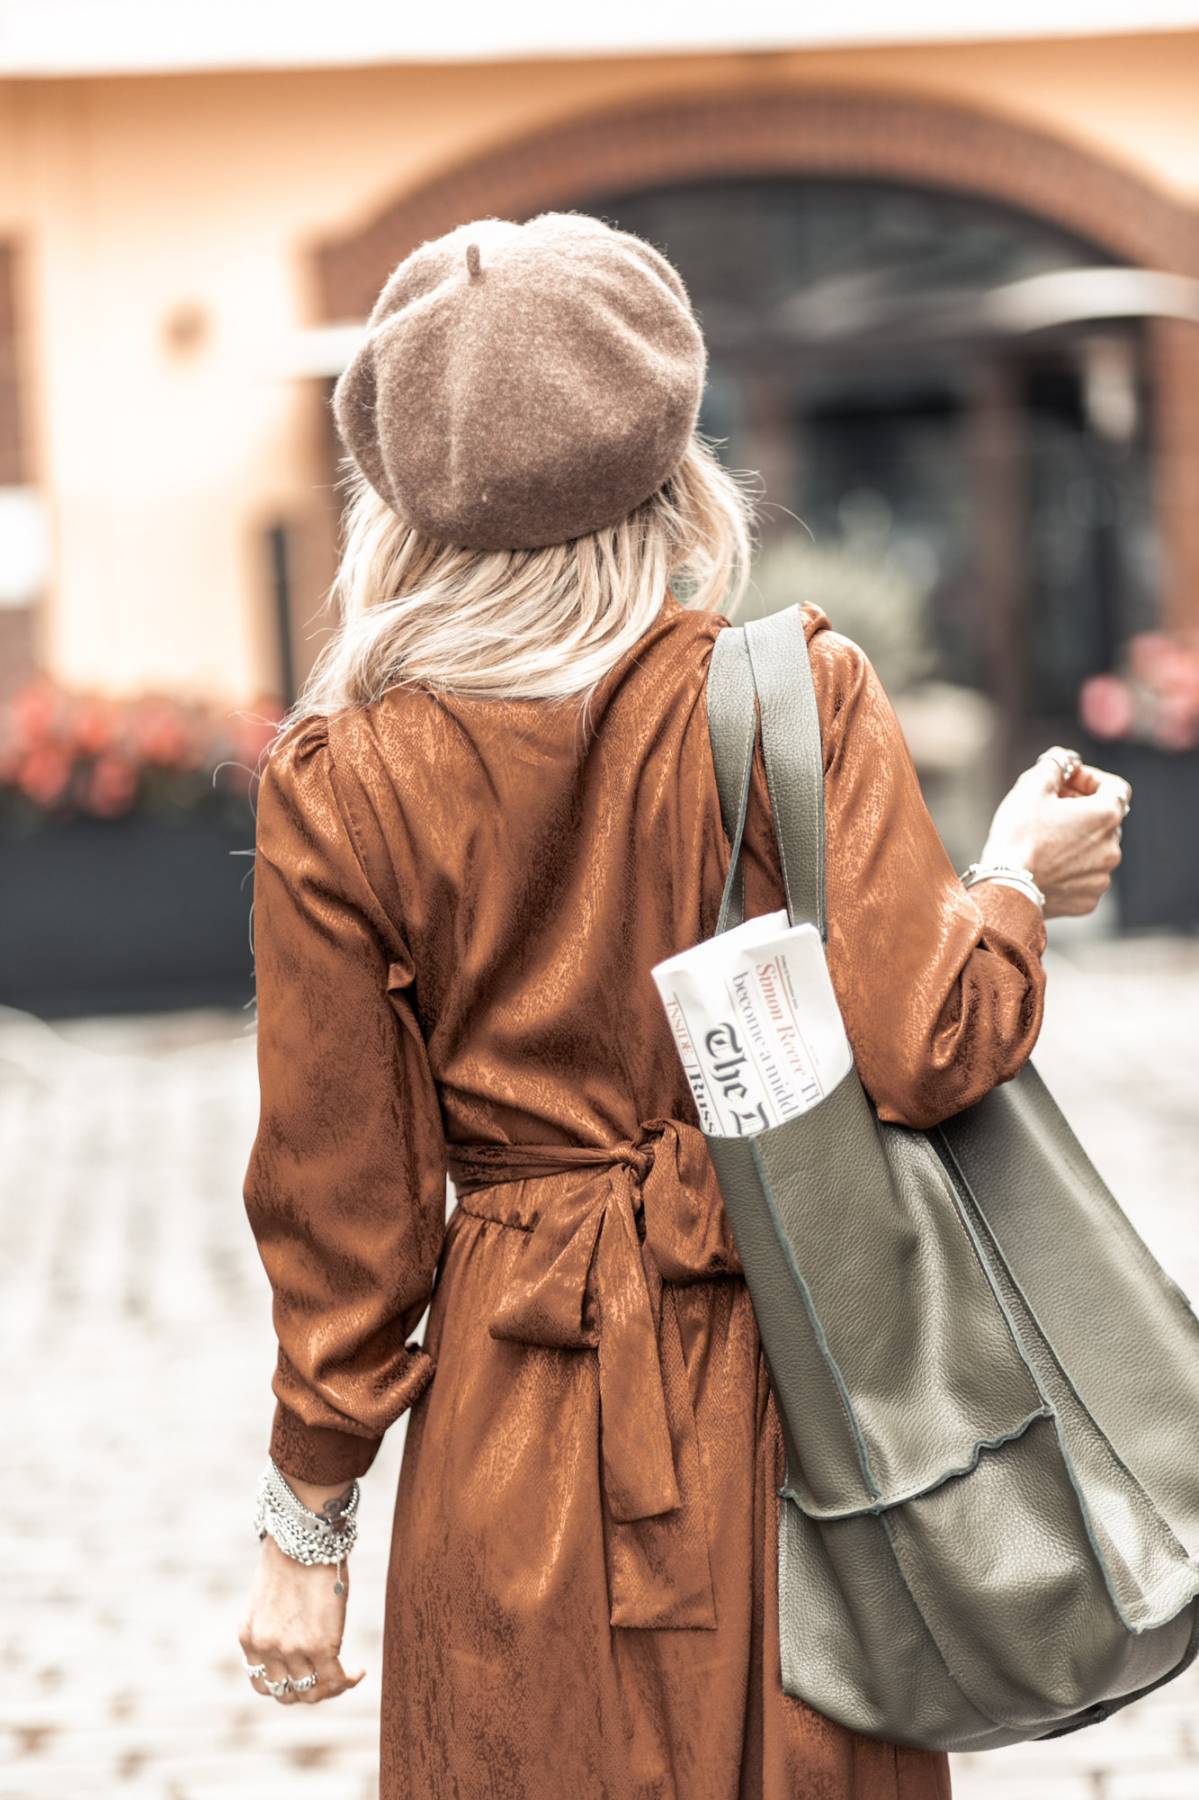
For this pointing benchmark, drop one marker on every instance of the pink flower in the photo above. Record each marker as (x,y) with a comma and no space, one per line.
(112,785)
(1167,666)
(44,775)
(1105,706)
(34,708)
(159,735)
(94,725)
(1180,676)
(1149,655)
(1175,724)
(88,749)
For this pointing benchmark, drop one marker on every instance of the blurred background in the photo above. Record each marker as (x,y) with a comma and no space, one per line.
(948,272)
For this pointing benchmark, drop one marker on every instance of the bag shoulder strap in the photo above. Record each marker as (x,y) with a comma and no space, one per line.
(769,657)
(794,757)
(732,727)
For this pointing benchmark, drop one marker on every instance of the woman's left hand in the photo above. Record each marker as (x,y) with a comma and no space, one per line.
(293,1628)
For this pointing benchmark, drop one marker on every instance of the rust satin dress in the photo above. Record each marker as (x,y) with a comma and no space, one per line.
(457,904)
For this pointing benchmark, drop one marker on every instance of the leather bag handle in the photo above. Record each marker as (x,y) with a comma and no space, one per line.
(768,658)
(732,727)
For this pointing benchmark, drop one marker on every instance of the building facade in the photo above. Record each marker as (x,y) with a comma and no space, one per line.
(951,292)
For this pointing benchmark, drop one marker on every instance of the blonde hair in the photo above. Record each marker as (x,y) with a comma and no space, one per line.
(537,624)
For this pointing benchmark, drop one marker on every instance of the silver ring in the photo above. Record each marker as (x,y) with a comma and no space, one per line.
(254,1670)
(276,1688)
(305,1682)
(1067,763)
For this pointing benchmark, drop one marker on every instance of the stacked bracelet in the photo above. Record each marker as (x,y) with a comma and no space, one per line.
(305,1536)
(1009,876)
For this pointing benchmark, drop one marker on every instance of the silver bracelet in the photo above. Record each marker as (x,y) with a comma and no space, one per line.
(307,1537)
(1008,876)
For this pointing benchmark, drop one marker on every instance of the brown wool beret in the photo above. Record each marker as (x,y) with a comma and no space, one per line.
(519,385)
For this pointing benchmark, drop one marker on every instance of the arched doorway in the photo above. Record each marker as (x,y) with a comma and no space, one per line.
(772,132)
(973,504)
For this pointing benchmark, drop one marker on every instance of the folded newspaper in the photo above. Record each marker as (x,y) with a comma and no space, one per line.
(756,1023)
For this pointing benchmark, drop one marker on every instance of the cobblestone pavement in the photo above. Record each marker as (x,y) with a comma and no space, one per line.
(137,1352)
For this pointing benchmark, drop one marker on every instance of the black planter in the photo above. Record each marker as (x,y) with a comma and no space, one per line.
(1157,882)
(139,914)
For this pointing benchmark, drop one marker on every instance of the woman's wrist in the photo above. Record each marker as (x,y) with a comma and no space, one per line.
(324,1497)
(303,1532)
(1007,874)
(1009,850)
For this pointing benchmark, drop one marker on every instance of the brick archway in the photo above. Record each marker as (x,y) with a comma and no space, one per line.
(853,133)
(770,132)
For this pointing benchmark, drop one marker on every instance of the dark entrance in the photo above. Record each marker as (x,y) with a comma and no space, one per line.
(964,486)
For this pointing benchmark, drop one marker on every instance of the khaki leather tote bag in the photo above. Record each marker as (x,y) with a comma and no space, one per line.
(988,1388)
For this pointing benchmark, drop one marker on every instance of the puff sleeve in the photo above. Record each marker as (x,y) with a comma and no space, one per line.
(345,1189)
(941,987)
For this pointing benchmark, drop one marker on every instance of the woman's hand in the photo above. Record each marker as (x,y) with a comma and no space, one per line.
(1067,833)
(294,1620)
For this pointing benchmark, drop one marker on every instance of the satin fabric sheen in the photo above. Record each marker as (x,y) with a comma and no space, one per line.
(457,905)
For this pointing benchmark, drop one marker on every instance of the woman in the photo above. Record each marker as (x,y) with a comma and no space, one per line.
(492,812)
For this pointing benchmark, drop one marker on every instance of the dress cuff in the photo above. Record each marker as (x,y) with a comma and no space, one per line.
(323,1453)
(315,1452)
(1012,911)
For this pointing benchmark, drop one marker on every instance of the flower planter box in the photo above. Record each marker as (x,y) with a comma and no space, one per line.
(1157,882)
(141,913)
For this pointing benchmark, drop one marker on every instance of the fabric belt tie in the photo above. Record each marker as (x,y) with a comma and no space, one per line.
(597,1273)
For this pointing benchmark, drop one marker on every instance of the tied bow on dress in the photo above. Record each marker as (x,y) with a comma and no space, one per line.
(597,1273)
